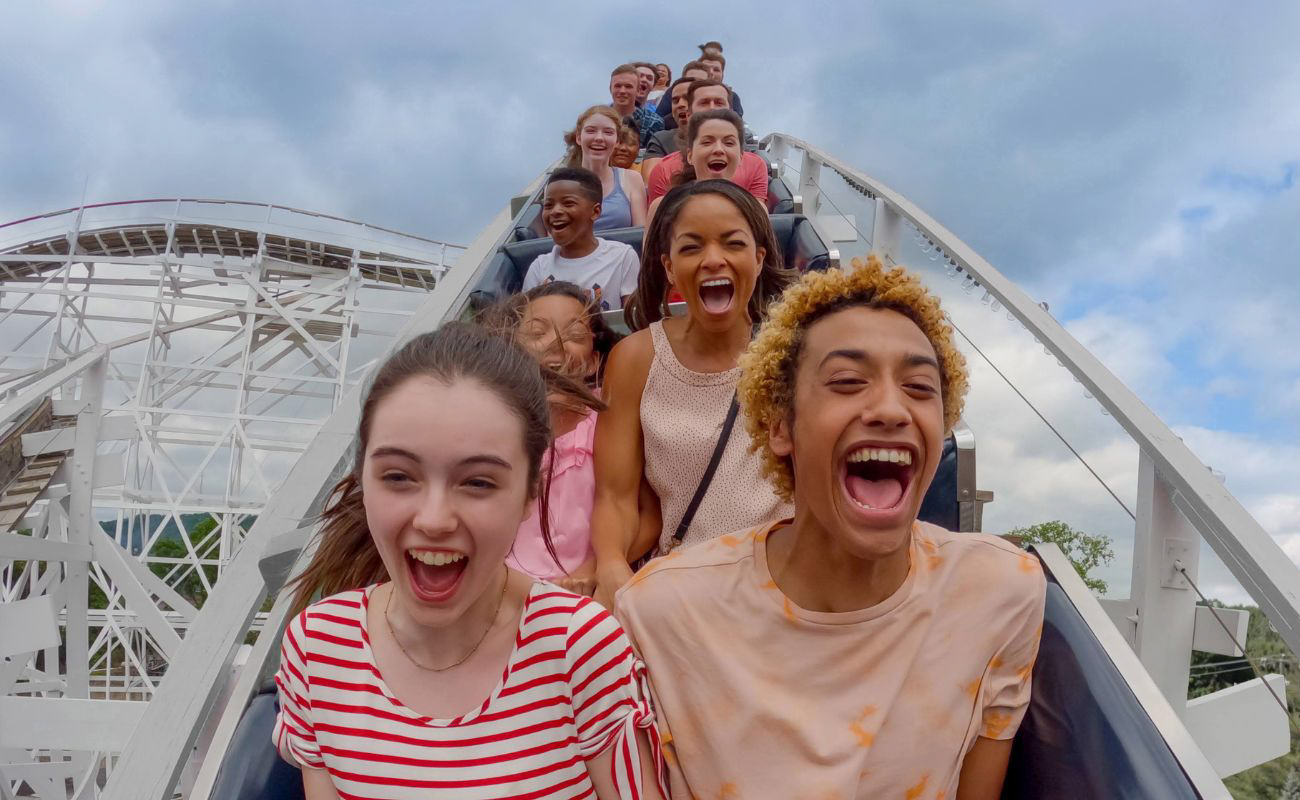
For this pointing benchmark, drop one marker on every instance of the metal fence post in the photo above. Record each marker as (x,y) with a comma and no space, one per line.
(886,232)
(810,172)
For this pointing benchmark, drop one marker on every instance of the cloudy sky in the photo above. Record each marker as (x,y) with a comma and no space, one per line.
(1134,167)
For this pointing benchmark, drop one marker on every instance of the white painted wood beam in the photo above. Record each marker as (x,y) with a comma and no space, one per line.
(31,548)
(28,625)
(68,723)
(1241,726)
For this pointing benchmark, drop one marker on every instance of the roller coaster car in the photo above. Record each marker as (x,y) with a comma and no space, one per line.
(1085,733)
(801,246)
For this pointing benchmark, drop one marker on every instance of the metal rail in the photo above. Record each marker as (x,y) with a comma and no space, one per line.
(216,201)
(1248,550)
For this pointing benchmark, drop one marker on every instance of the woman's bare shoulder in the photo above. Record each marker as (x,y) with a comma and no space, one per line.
(632,180)
(630,359)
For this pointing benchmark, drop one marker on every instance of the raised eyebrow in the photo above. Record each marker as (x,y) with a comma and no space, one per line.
(911,360)
(481,458)
(921,360)
(389,450)
(844,352)
(485,459)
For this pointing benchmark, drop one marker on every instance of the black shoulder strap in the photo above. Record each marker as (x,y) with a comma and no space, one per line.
(707,478)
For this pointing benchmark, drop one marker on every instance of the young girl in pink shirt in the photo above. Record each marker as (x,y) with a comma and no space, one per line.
(558,325)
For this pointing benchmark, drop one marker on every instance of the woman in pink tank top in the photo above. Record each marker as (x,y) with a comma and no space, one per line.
(670,385)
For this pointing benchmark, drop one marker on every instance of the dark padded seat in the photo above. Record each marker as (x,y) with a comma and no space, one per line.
(528,225)
(779,198)
(803,248)
(939,506)
(253,770)
(505,273)
(1085,734)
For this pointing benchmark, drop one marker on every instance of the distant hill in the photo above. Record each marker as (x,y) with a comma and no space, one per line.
(144,524)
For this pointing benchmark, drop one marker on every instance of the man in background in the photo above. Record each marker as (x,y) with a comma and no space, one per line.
(623,87)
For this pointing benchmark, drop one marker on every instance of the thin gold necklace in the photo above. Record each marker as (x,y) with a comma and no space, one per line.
(472,650)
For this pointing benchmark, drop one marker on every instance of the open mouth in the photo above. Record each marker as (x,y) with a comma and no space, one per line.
(877,478)
(554,225)
(716,295)
(435,574)
(717,165)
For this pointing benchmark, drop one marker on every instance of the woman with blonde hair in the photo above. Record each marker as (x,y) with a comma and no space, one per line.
(591,145)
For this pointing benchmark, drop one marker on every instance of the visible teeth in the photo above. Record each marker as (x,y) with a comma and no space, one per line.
(435,559)
(889,455)
(717,282)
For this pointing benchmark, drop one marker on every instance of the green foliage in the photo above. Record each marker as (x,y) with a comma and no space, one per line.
(1210,673)
(1291,787)
(1085,551)
(190,586)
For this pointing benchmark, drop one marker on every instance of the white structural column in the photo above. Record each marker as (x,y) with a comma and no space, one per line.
(810,175)
(80,519)
(1161,597)
(886,232)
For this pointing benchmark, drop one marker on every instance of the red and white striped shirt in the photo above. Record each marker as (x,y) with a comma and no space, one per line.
(571,689)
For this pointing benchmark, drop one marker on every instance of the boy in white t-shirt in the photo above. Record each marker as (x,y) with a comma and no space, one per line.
(606,269)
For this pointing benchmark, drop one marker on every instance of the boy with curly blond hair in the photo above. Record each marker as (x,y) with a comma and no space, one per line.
(848,651)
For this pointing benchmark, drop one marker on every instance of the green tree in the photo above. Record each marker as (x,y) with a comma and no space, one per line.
(1085,551)
(191,586)
(1291,788)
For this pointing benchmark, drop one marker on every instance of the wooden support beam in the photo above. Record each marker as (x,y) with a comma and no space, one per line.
(115,562)
(68,724)
(1241,726)
(1209,637)
(30,548)
(28,625)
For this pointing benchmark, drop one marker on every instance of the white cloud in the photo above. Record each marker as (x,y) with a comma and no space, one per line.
(1063,143)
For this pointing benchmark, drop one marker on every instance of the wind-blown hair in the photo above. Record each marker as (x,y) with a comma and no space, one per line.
(650,301)
(508,315)
(769,366)
(346,557)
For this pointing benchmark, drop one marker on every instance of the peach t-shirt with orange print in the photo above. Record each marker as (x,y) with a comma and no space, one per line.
(760,698)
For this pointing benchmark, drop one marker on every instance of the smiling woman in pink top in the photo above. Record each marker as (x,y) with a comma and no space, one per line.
(849,651)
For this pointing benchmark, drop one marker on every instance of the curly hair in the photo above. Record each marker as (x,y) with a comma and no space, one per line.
(766,389)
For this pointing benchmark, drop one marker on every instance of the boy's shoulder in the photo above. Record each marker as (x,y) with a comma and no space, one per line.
(613,249)
(1005,572)
(692,574)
